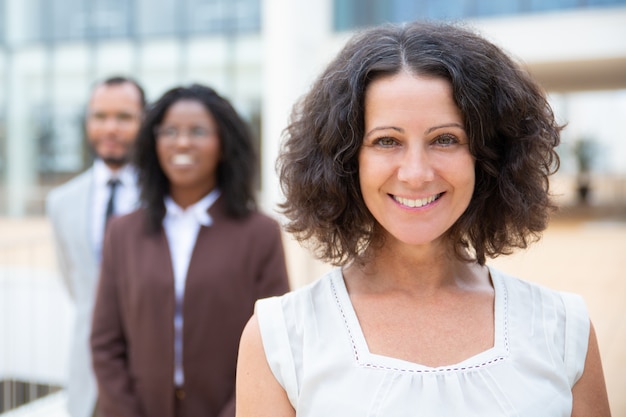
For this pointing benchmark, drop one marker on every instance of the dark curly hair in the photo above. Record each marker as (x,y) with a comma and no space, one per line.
(511,128)
(235,171)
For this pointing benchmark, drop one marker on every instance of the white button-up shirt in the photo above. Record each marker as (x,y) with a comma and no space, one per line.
(126,198)
(181,228)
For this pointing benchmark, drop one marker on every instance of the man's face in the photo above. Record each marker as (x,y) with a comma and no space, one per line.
(113,119)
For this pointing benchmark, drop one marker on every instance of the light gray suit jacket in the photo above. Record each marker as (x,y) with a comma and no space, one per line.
(69,209)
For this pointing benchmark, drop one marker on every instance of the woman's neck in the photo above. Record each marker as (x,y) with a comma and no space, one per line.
(423,269)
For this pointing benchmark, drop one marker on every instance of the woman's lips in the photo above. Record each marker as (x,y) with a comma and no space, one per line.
(182,159)
(415,203)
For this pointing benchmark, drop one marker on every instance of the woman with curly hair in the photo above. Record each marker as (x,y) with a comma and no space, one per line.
(419,152)
(180,276)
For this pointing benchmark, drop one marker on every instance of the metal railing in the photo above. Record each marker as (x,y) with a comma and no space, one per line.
(35,315)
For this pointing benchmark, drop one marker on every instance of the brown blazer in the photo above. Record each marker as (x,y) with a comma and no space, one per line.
(234,263)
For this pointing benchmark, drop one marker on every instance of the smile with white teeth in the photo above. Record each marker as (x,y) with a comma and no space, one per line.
(420,202)
(182,159)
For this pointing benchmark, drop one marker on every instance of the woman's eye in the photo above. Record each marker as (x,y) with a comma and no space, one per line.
(385,141)
(199,132)
(446,140)
(169,132)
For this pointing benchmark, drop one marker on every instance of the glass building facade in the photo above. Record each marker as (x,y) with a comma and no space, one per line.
(350,14)
(67,20)
(51,51)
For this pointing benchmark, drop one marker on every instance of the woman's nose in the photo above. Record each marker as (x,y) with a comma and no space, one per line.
(416,166)
(183,139)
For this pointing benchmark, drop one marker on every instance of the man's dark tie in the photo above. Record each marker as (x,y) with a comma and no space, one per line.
(113,183)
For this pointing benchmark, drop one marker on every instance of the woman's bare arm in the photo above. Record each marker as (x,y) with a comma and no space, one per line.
(590,397)
(258,393)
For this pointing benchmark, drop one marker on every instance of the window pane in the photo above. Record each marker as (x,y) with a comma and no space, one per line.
(447,9)
(2,21)
(407,10)
(605,2)
(108,18)
(494,8)
(546,5)
(351,14)
(157,17)
(78,19)
(211,16)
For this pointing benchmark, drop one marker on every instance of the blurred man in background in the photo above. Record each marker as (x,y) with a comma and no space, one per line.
(79,210)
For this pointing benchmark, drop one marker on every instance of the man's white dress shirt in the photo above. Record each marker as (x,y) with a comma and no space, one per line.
(126,197)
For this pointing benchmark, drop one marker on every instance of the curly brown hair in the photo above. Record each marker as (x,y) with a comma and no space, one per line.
(511,128)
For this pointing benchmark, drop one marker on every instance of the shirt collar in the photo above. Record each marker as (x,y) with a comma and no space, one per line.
(199,210)
(102,173)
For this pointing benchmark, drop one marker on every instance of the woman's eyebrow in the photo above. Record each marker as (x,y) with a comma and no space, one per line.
(374,130)
(429,130)
(432,129)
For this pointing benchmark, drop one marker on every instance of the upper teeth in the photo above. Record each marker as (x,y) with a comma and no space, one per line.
(182,159)
(418,202)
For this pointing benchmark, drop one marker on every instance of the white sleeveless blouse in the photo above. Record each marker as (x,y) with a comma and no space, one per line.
(317,352)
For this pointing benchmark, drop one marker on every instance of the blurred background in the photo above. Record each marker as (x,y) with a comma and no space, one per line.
(263,55)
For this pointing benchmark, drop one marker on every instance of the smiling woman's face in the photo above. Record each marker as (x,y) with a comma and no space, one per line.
(415,168)
(189,150)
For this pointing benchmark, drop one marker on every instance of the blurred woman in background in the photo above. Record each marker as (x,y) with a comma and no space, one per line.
(180,276)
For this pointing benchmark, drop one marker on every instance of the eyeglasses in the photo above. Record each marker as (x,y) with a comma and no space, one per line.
(168,134)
